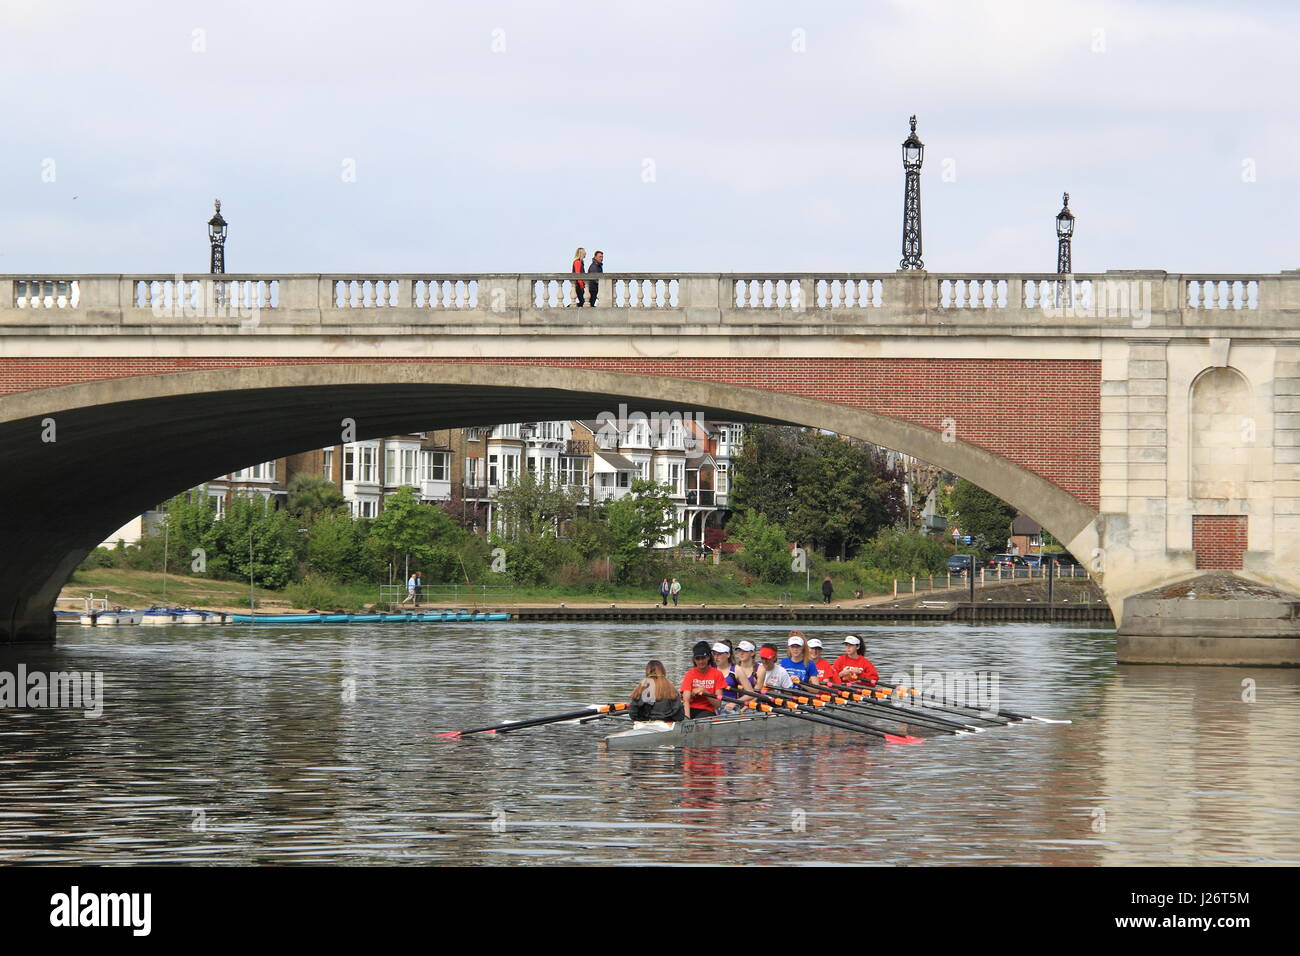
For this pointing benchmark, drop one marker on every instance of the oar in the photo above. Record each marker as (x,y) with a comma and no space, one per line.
(898,701)
(861,704)
(822,700)
(804,712)
(538,721)
(864,697)
(1001,713)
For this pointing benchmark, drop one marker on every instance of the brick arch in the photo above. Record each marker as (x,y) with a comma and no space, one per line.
(140,439)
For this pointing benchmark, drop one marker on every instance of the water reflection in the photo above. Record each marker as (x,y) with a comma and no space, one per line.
(242,745)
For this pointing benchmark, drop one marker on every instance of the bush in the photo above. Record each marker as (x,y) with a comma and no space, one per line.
(316,591)
(765,552)
(901,553)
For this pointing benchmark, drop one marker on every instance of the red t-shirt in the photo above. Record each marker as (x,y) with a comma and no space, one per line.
(860,671)
(827,672)
(711,682)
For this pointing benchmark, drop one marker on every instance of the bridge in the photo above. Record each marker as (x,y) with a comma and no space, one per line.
(1149,421)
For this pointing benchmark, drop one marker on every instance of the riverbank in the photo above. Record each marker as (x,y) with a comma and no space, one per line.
(120,587)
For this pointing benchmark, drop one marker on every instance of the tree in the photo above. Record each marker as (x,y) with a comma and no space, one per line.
(636,523)
(983,516)
(408,528)
(310,496)
(765,552)
(764,474)
(254,522)
(336,548)
(845,494)
(527,508)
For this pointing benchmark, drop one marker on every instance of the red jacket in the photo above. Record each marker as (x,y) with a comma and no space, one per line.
(577,267)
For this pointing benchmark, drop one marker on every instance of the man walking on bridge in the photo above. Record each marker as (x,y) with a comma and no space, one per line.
(597,265)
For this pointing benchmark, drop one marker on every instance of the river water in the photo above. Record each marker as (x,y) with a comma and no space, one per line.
(243,745)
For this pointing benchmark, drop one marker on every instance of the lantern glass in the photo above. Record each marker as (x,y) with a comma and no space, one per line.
(1064,225)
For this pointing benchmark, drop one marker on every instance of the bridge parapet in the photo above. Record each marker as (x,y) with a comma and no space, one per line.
(1112,302)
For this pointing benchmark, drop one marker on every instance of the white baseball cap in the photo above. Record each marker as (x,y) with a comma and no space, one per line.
(745,646)
(850,639)
(794,642)
(813,642)
(721,649)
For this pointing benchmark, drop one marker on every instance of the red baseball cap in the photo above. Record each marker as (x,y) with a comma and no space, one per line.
(767,654)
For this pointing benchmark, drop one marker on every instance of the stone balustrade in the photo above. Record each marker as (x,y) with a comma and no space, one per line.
(1117,299)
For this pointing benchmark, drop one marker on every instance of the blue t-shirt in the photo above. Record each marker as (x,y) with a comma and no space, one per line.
(802,671)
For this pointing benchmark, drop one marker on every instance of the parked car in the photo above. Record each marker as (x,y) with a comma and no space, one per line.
(960,564)
(1060,559)
(1006,561)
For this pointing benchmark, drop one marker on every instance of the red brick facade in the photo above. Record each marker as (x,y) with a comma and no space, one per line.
(1219,541)
(1042,415)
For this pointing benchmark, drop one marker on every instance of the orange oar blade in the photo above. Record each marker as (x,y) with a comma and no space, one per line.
(891,739)
(450,733)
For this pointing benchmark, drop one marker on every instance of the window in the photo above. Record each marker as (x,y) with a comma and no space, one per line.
(509,468)
(506,431)
(369,464)
(493,474)
(573,471)
(218,505)
(675,477)
(675,433)
(623,477)
(349,465)
(473,476)
(722,479)
(262,472)
(436,465)
(328,469)
(642,469)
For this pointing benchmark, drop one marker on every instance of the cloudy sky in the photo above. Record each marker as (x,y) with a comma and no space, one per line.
(495,136)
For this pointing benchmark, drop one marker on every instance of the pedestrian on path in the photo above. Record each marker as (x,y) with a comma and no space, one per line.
(664,591)
(675,590)
(826,589)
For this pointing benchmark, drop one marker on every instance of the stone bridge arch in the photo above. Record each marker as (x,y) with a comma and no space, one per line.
(121,445)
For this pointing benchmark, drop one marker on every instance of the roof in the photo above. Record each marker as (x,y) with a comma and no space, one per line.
(618,461)
(1023,524)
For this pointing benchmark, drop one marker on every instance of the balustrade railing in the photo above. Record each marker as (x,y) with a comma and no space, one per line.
(884,297)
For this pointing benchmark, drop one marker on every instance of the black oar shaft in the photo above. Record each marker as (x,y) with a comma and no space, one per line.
(538,721)
(804,711)
(844,698)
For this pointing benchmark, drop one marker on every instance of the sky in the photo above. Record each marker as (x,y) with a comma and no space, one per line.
(396,136)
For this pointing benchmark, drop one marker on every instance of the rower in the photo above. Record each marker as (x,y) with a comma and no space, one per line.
(742,674)
(770,673)
(702,683)
(655,698)
(797,664)
(852,667)
(825,669)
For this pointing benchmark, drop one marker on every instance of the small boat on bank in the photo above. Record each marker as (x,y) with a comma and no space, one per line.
(121,615)
(431,617)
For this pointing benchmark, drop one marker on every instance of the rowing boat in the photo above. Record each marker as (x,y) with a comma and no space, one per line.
(748,727)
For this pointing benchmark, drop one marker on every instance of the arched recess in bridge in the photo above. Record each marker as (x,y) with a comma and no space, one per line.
(122,445)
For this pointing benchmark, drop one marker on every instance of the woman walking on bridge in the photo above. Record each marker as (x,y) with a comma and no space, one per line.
(579,287)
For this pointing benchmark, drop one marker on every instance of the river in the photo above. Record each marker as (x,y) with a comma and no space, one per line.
(314,745)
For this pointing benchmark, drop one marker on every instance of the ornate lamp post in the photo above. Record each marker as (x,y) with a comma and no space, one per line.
(217,238)
(1064,232)
(913,154)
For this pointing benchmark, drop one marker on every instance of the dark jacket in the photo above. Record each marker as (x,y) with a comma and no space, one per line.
(669,710)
